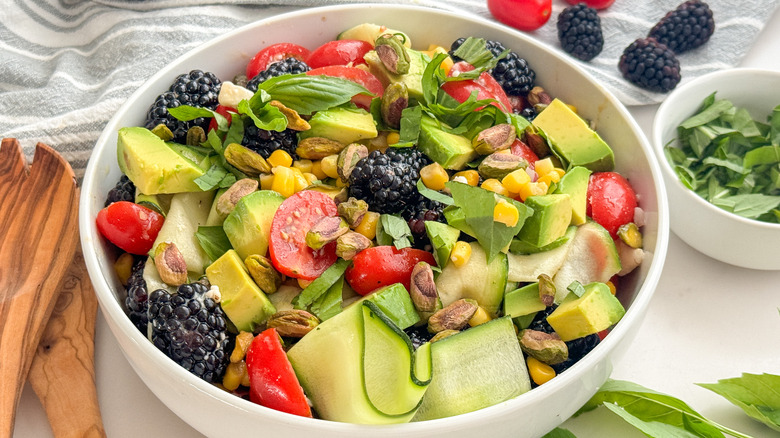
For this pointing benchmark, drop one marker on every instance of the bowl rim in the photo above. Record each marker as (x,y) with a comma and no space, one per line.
(662,119)
(635,312)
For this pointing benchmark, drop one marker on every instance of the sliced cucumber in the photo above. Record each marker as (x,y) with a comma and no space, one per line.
(593,257)
(476,279)
(528,267)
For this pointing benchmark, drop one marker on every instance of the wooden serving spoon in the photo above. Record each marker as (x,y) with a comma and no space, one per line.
(38,237)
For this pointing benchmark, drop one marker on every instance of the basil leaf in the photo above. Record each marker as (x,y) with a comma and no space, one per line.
(321,284)
(211,178)
(267,117)
(433,194)
(653,429)
(750,205)
(559,433)
(185,113)
(235,133)
(756,394)
(213,241)
(410,125)
(308,94)
(393,230)
(576,288)
(328,304)
(475,52)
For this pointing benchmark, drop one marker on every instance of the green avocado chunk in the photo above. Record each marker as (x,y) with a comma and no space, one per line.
(572,140)
(450,150)
(443,238)
(152,165)
(341,124)
(242,300)
(413,79)
(596,310)
(249,224)
(551,218)
(523,301)
(575,184)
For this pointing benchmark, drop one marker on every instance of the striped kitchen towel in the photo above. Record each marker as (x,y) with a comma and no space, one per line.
(66,66)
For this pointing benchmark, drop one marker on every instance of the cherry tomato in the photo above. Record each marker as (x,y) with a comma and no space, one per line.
(130,226)
(380,266)
(287,243)
(611,200)
(272,380)
(485,86)
(525,15)
(273,53)
(359,76)
(223,111)
(521,149)
(596,4)
(339,52)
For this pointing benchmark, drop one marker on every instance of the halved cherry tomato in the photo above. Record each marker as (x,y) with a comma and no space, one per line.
(485,86)
(339,52)
(273,53)
(523,150)
(223,111)
(357,75)
(380,266)
(129,226)
(525,15)
(611,200)
(287,246)
(272,380)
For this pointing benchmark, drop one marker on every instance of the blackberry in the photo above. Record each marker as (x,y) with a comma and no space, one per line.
(685,28)
(279,68)
(190,328)
(650,65)
(578,348)
(264,142)
(579,31)
(124,190)
(417,214)
(539,323)
(388,181)
(512,72)
(529,113)
(137,299)
(197,88)
(418,335)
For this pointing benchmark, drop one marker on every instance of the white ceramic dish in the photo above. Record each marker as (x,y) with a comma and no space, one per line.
(216,413)
(711,230)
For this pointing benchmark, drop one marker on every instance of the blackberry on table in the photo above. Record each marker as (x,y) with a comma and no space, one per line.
(190,328)
(650,65)
(512,72)
(264,142)
(388,181)
(685,28)
(196,88)
(137,299)
(579,31)
(279,68)
(124,190)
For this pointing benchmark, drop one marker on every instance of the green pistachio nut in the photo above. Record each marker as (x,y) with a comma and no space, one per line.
(353,210)
(453,317)
(348,159)
(394,101)
(351,243)
(545,347)
(246,160)
(317,148)
(263,273)
(294,323)
(325,230)
(498,165)
(494,139)
(392,53)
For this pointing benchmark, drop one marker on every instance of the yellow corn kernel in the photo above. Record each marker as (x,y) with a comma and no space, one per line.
(300,181)
(233,375)
(316,168)
(612,287)
(304,283)
(393,138)
(572,108)
(284,181)
(460,254)
(480,317)
(266,180)
(124,267)
(494,186)
(303,165)
(330,166)
(505,213)
(471,176)
(433,50)
(310,177)
(367,225)
(434,176)
(516,180)
(543,166)
(540,372)
(243,341)
(280,157)
(533,189)
(560,172)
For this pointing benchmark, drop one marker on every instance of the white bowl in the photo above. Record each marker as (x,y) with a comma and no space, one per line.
(217,413)
(713,231)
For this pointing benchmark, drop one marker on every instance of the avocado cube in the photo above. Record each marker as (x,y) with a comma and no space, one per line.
(575,184)
(523,301)
(572,140)
(450,150)
(551,218)
(242,300)
(248,226)
(344,125)
(596,310)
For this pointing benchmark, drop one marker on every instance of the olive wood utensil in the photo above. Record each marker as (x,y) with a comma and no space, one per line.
(38,236)
(63,369)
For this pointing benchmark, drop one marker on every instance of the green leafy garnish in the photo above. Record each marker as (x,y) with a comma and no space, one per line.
(756,394)
(212,178)
(559,433)
(328,304)
(576,288)
(266,117)
(475,52)
(433,194)
(308,94)
(185,113)
(730,160)
(213,241)
(321,284)
(393,230)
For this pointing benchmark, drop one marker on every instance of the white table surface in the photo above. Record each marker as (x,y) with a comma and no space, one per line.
(707,321)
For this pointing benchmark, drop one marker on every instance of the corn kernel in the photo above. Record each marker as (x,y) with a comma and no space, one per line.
(515,180)
(460,254)
(612,287)
(471,176)
(393,138)
(533,189)
(316,168)
(284,181)
(233,374)
(495,186)
(572,108)
(303,165)
(330,166)
(367,226)
(280,157)
(560,172)
(310,177)
(300,180)
(505,213)
(547,179)
(266,180)
(543,166)
(434,176)
(540,372)
(480,317)
(124,267)
(243,341)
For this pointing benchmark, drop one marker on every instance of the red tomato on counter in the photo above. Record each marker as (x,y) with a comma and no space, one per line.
(524,15)
(611,200)
(273,53)
(381,266)
(129,226)
(339,52)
